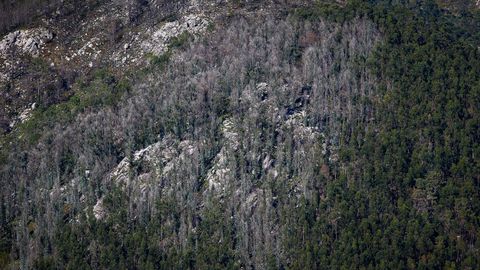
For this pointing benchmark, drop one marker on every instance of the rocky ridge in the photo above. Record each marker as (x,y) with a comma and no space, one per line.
(147,173)
(79,46)
(30,41)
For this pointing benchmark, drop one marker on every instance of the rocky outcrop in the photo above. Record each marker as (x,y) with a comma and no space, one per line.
(28,41)
(156,159)
(99,211)
(156,41)
(24,115)
(191,24)
(220,173)
(148,171)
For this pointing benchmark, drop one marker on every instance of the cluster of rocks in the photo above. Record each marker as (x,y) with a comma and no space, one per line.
(89,50)
(156,41)
(220,173)
(24,115)
(301,131)
(28,41)
(159,40)
(148,170)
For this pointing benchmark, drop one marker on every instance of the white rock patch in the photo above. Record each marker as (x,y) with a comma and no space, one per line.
(99,210)
(159,40)
(218,175)
(28,41)
(24,115)
(158,161)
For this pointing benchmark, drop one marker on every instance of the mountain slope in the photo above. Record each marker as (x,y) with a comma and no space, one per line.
(252,135)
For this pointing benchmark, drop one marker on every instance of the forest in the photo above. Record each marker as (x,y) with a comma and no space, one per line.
(323,136)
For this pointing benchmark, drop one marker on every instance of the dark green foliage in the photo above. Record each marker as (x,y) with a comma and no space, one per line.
(120,242)
(160,61)
(179,41)
(413,202)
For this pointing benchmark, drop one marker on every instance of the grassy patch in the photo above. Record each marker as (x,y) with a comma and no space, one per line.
(159,61)
(103,90)
(179,41)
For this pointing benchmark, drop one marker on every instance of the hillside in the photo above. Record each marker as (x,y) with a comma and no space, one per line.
(153,134)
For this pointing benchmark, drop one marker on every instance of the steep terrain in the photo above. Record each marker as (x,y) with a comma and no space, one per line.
(241,134)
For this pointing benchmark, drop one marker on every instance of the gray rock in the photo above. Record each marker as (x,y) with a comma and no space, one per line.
(99,210)
(159,40)
(28,41)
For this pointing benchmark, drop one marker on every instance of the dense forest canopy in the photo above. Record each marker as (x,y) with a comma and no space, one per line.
(322,136)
